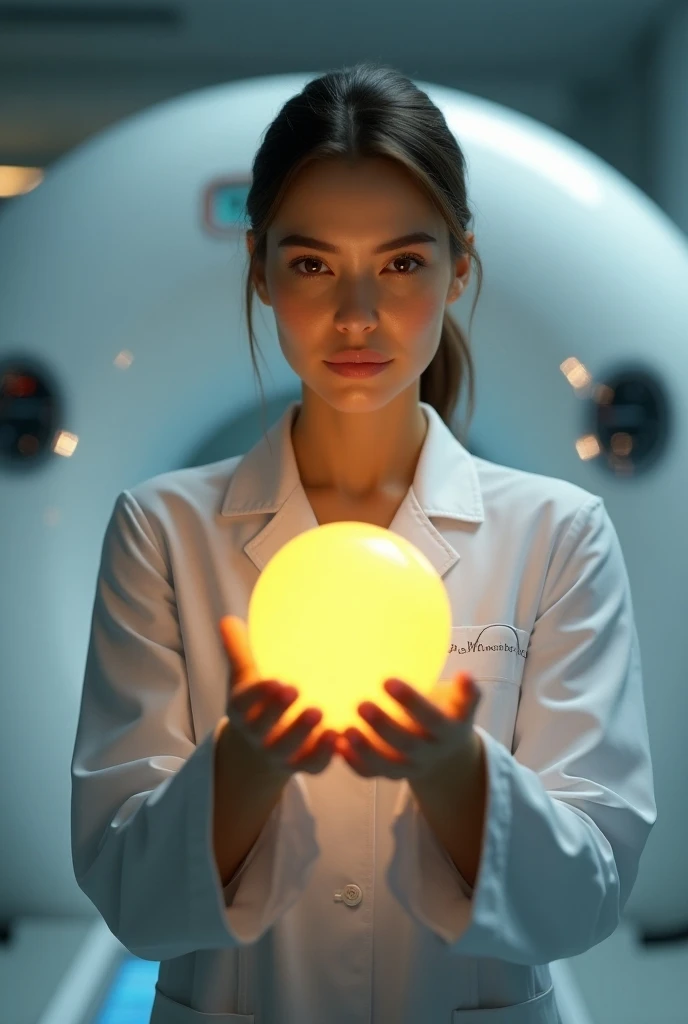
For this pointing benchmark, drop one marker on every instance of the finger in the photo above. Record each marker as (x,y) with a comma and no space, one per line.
(453,698)
(470,693)
(317,754)
(365,751)
(359,760)
(341,745)
(286,742)
(428,716)
(250,695)
(265,717)
(235,638)
(400,737)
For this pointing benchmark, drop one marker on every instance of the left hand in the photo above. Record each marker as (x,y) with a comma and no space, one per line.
(441,733)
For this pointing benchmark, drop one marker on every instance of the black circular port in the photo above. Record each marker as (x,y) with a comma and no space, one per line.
(630,419)
(29,413)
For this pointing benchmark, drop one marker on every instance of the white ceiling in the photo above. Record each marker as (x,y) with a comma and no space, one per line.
(70,68)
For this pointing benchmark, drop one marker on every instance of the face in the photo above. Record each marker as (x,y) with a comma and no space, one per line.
(392,301)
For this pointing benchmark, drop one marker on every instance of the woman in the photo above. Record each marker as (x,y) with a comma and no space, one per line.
(299,875)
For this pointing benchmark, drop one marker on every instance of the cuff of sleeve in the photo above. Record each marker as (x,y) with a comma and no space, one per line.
(424,878)
(272,876)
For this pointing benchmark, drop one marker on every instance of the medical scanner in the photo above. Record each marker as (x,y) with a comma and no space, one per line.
(124,354)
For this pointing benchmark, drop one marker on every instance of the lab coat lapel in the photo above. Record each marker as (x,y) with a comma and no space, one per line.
(445,486)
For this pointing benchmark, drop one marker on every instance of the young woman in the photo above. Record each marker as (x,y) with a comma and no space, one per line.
(294,875)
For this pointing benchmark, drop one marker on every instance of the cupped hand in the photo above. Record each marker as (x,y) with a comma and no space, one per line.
(441,731)
(255,707)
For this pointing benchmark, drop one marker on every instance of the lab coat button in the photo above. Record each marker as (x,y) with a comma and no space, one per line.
(351,895)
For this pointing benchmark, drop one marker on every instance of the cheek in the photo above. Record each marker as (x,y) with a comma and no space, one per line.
(301,318)
(298,322)
(423,312)
(289,306)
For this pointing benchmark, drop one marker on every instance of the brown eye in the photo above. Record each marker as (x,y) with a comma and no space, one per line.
(413,257)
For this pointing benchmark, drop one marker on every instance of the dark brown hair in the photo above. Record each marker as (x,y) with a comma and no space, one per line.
(371,110)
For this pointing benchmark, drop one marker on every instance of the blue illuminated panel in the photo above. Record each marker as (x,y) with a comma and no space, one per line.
(130,999)
(225,206)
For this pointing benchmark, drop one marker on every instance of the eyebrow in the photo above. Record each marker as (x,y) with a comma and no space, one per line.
(395,243)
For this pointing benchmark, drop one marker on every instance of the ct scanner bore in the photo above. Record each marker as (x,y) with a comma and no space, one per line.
(124,354)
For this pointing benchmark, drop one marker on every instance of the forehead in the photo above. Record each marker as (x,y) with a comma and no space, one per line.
(369,195)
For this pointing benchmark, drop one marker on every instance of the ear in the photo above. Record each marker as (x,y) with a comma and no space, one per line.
(462,272)
(462,275)
(258,271)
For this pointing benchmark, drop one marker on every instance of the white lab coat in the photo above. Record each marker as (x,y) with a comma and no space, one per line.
(347,910)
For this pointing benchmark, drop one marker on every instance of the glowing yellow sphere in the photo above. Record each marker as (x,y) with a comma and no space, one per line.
(341,608)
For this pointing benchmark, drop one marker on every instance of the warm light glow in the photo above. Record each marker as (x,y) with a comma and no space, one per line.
(576,374)
(340,609)
(621,444)
(16,180)
(604,395)
(123,359)
(588,447)
(65,444)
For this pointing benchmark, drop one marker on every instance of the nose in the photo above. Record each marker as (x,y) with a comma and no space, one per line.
(357,313)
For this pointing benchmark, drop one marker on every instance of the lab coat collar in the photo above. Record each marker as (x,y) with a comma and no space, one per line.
(445,485)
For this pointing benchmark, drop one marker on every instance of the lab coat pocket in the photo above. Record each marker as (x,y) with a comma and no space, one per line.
(169,1011)
(494,654)
(540,1010)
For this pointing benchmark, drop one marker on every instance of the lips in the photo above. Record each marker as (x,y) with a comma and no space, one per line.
(358,357)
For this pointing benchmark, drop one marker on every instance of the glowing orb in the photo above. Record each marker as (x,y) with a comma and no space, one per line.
(341,608)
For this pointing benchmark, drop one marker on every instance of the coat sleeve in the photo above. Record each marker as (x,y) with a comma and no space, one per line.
(569,812)
(142,791)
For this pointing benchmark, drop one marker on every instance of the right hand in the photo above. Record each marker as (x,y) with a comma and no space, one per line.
(255,706)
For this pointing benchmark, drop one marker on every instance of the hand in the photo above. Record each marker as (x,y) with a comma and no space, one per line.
(442,731)
(255,706)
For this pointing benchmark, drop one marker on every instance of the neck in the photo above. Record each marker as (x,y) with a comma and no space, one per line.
(358,455)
